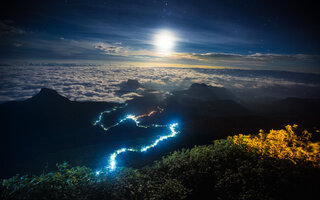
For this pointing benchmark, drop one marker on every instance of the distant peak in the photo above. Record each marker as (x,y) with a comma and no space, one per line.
(48,95)
(207,92)
(203,87)
(48,91)
(133,83)
(130,86)
(198,85)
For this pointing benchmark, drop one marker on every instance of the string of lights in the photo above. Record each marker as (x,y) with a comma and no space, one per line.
(112,158)
(128,117)
(99,120)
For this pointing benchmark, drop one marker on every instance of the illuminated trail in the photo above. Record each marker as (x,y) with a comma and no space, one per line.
(112,158)
(99,120)
(128,117)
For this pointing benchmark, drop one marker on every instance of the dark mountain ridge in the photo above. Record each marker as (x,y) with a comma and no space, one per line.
(49,128)
(205,92)
(45,123)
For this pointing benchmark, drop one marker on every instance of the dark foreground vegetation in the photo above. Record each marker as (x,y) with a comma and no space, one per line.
(280,164)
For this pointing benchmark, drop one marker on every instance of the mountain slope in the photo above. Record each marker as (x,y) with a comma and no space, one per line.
(45,123)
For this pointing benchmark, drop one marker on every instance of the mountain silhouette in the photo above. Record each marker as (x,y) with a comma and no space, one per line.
(298,106)
(205,92)
(47,95)
(46,123)
(50,128)
(130,85)
(201,99)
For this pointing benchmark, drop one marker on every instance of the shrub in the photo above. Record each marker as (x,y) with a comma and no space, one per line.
(281,164)
(66,183)
(282,144)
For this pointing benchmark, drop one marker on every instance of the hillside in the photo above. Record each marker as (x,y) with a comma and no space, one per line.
(48,128)
(239,167)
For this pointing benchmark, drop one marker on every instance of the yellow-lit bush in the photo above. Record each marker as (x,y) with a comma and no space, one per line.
(230,168)
(288,143)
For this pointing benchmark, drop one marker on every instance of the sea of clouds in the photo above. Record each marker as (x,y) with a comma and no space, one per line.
(102,83)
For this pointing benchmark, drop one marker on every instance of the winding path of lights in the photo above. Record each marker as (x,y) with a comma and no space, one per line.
(113,156)
(99,120)
(112,159)
(128,117)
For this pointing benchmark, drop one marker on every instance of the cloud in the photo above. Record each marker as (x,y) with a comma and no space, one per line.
(117,49)
(292,62)
(97,50)
(17,44)
(7,28)
(102,83)
(107,48)
(257,57)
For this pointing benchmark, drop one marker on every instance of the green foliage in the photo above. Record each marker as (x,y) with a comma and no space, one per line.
(223,170)
(82,183)
(138,184)
(66,183)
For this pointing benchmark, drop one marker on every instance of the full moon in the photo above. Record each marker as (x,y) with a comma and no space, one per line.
(164,41)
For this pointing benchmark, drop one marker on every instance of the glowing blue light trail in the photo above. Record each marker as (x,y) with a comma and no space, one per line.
(113,156)
(112,159)
(128,117)
(99,120)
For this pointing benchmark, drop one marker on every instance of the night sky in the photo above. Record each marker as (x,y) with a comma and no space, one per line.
(248,34)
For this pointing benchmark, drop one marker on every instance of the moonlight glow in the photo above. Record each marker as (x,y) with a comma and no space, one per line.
(164,41)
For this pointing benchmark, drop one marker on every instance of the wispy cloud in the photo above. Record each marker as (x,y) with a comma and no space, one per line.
(98,50)
(17,44)
(253,57)
(7,27)
(112,49)
(256,60)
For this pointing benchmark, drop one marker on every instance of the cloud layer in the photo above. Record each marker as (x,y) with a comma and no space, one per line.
(101,83)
